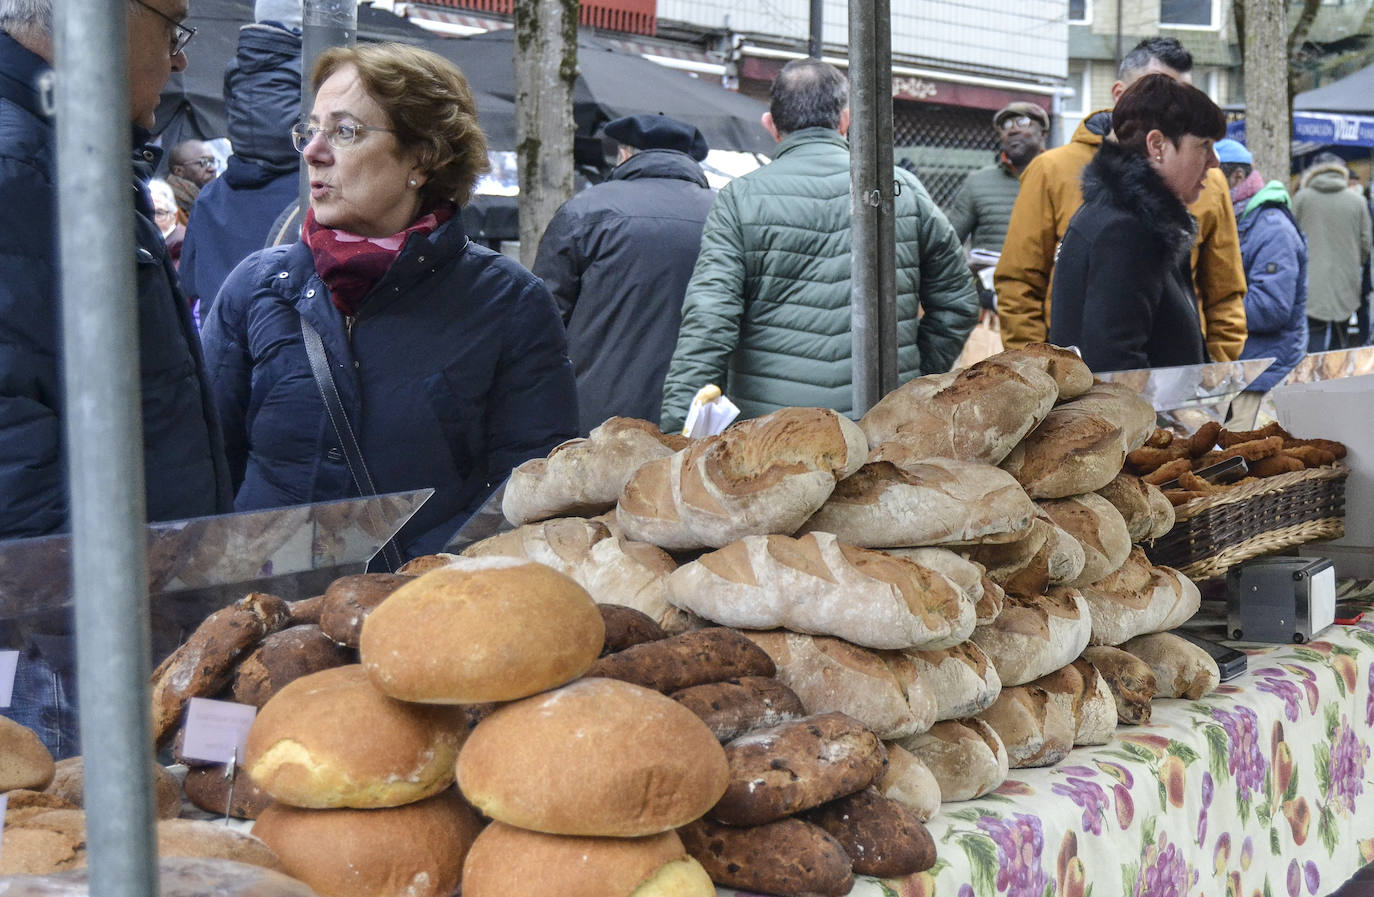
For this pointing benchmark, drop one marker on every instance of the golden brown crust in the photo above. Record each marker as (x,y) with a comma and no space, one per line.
(506,861)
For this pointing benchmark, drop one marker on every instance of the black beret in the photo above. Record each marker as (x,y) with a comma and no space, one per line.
(657,132)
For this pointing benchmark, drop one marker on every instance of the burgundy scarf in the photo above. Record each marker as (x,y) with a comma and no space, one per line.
(350,265)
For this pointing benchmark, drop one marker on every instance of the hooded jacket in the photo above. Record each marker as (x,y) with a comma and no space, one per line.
(617,258)
(1048,198)
(1275,255)
(1122,290)
(982,207)
(1337,225)
(767,313)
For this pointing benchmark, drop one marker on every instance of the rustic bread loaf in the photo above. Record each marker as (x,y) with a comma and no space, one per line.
(819,585)
(69,784)
(176,877)
(211,840)
(691,658)
(1163,510)
(966,757)
(964,573)
(416,850)
(1123,406)
(831,674)
(39,841)
(207,787)
(1070,453)
(24,761)
(647,508)
(1068,370)
(900,499)
(1129,495)
(611,569)
(350,599)
(23,798)
(782,770)
(736,707)
(962,679)
(785,857)
(284,657)
(425,563)
(976,414)
(1036,636)
(1036,730)
(332,740)
(594,758)
(1098,527)
(1085,698)
(1130,679)
(581,477)
(1179,593)
(1048,555)
(305,611)
(506,861)
(991,604)
(1123,603)
(1181,668)
(909,782)
(481,629)
(881,836)
(627,627)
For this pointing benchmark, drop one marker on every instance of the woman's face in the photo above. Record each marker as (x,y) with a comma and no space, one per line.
(1184,165)
(364,188)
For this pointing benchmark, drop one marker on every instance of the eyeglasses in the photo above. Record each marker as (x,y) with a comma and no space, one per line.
(1020,121)
(164,213)
(207,162)
(180,34)
(341,135)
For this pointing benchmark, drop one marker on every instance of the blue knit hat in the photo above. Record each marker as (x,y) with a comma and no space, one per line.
(1233,151)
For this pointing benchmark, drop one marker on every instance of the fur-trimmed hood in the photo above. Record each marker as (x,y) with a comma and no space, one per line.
(1127,180)
(1328,178)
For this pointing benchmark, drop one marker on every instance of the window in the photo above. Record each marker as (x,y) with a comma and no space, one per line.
(1188,13)
(1077,82)
(1080,11)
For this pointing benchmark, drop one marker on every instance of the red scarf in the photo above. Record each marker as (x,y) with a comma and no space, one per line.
(350,265)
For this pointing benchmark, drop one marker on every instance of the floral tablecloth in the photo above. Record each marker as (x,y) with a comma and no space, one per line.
(1262,789)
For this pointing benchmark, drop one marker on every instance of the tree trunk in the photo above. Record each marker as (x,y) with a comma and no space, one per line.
(1268,121)
(545,68)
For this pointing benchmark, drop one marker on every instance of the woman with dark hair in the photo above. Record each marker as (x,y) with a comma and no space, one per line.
(1123,290)
(449,360)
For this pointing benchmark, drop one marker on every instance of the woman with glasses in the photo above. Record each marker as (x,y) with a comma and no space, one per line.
(165,217)
(448,359)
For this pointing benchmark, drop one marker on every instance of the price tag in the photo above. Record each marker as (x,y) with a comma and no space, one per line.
(215,730)
(9,662)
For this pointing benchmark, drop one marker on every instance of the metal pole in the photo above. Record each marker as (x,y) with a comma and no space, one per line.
(324,24)
(104,436)
(816,42)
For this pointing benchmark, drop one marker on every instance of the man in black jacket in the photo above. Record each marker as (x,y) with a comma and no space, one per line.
(185,470)
(617,258)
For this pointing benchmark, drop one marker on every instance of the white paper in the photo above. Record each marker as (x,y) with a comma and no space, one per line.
(711,417)
(215,730)
(9,663)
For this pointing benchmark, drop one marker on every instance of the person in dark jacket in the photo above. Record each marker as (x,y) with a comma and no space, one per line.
(449,359)
(184,465)
(982,207)
(1275,254)
(1123,291)
(617,258)
(262,99)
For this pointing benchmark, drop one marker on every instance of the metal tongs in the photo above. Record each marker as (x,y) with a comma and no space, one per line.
(1228,471)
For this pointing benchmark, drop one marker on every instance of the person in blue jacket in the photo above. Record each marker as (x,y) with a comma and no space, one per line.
(1275,255)
(449,359)
(262,99)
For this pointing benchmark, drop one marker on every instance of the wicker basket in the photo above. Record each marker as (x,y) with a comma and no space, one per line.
(1213,534)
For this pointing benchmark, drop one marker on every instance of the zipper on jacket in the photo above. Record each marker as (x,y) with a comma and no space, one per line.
(348,327)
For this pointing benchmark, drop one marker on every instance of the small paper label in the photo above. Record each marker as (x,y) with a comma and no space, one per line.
(215,730)
(9,662)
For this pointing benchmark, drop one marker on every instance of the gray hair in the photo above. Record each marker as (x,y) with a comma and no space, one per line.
(808,93)
(26,16)
(1166,51)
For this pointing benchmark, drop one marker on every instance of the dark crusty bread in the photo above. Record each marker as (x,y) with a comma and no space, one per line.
(789,856)
(306,610)
(882,837)
(284,657)
(1130,679)
(692,658)
(627,627)
(1071,452)
(207,787)
(349,600)
(785,769)
(736,707)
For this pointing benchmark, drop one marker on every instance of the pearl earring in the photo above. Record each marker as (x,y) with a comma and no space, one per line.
(412,182)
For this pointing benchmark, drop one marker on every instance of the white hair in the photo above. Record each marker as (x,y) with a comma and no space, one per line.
(160,188)
(26,16)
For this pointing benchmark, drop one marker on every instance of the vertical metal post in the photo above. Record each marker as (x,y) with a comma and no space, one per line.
(873,285)
(817,41)
(324,24)
(104,436)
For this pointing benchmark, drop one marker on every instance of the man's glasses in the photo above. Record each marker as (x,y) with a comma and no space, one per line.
(1020,121)
(341,135)
(206,162)
(180,34)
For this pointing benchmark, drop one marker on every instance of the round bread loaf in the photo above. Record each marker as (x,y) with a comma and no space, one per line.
(481,629)
(24,761)
(1033,637)
(1068,370)
(1099,528)
(350,599)
(412,851)
(332,740)
(598,757)
(284,657)
(506,861)
(1071,452)
(966,756)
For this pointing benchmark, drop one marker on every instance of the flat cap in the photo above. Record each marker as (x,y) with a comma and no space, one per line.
(658,132)
(1030,110)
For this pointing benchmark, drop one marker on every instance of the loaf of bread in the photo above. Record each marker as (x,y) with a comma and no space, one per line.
(766,475)
(819,585)
(962,679)
(900,499)
(964,573)
(1179,593)
(788,857)
(212,840)
(426,562)
(332,740)
(831,674)
(582,477)
(207,787)
(976,414)
(611,569)
(349,600)
(1070,453)
(1098,527)
(1124,406)
(1046,556)
(1035,730)
(506,861)
(306,610)
(416,850)
(966,757)
(1130,679)
(594,758)
(736,707)
(1086,699)
(782,770)
(627,627)
(282,658)
(24,760)
(691,658)
(1123,603)
(1068,370)
(39,841)
(24,798)
(882,837)
(1181,668)
(481,629)
(989,607)
(176,877)
(1148,514)
(1036,636)
(909,782)
(69,785)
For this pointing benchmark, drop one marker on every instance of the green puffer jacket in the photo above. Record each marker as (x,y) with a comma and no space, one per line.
(766,315)
(983,204)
